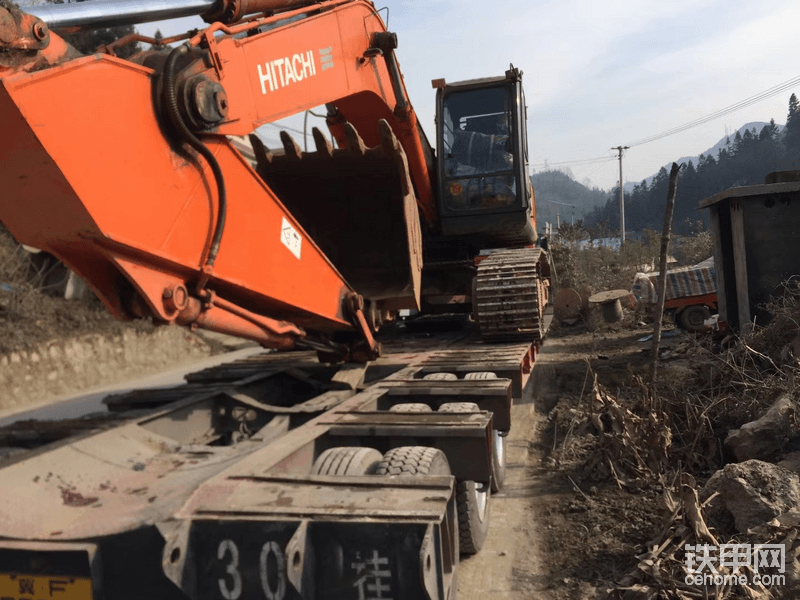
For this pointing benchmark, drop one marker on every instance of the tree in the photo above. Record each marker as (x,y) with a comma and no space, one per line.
(86,42)
(744,159)
(769,131)
(792,138)
(737,143)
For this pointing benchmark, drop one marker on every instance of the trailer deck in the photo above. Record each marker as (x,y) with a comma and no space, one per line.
(213,488)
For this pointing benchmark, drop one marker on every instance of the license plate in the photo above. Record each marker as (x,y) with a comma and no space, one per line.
(35,587)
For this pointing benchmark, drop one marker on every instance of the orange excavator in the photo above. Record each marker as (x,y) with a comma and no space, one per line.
(126,171)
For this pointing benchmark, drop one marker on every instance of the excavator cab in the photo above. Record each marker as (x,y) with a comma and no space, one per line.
(482,159)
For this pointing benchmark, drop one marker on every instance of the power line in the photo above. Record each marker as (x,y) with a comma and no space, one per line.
(781,87)
(576,162)
(286,127)
(773,91)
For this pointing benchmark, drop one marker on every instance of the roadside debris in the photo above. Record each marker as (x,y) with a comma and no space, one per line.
(720,447)
(765,436)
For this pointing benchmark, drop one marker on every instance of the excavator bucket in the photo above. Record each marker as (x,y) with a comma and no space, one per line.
(358,205)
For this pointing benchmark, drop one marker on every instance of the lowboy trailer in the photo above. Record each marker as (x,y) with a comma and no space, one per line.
(275,477)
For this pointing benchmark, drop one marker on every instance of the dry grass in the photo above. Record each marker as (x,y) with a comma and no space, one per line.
(673,442)
(582,262)
(600,268)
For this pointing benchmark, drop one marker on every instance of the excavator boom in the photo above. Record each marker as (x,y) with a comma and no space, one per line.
(124,170)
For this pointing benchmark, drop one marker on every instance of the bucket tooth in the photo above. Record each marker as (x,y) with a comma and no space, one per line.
(290,146)
(388,139)
(354,142)
(263,155)
(392,148)
(323,145)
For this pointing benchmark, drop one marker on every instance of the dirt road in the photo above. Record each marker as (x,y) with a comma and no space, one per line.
(515,562)
(550,538)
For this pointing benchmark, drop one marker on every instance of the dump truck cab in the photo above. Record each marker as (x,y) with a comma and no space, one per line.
(483,182)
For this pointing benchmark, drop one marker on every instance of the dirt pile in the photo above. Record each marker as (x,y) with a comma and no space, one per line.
(30,316)
(50,346)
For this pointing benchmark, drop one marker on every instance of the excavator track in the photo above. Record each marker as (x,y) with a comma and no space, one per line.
(509,294)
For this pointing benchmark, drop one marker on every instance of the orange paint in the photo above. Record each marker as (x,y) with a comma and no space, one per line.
(89,175)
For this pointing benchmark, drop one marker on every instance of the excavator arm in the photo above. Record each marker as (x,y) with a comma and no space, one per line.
(123,169)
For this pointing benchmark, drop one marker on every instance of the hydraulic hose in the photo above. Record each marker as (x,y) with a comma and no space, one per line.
(175,117)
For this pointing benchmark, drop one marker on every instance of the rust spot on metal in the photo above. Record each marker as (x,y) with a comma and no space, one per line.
(71,498)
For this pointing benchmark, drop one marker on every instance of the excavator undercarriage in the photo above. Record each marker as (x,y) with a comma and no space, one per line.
(510,294)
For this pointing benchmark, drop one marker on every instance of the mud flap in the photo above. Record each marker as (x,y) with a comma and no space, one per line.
(317,560)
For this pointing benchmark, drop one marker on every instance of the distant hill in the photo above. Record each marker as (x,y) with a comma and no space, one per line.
(713,151)
(754,150)
(558,194)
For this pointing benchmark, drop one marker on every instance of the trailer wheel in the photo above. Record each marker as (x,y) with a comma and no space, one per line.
(441,377)
(472,503)
(413,460)
(498,440)
(411,407)
(692,318)
(472,498)
(480,375)
(347,461)
(498,460)
(459,407)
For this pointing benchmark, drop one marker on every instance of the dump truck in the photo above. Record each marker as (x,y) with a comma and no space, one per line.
(690,297)
(332,467)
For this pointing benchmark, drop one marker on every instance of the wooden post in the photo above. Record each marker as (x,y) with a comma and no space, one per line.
(662,276)
(740,265)
(719,263)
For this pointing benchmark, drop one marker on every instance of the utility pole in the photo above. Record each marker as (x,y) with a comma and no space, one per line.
(621,196)
(558,220)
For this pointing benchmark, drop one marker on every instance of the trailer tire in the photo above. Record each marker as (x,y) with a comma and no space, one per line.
(413,460)
(480,375)
(347,461)
(472,498)
(472,503)
(416,407)
(441,377)
(459,407)
(498,460)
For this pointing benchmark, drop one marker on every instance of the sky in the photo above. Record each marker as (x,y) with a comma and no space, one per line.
(600,75)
